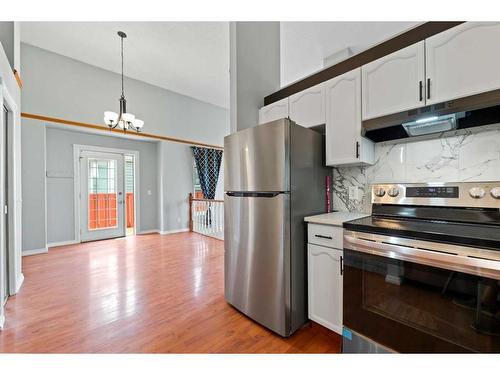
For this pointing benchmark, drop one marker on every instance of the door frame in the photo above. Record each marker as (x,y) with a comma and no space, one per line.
(77,149)
(13,217)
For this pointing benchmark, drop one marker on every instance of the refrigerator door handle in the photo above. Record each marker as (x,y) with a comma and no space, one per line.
(253,194)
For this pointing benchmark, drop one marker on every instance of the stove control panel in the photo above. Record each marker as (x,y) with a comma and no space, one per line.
(458,194)
(432,191)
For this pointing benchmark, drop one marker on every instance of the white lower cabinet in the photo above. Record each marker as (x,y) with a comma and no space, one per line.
(325,286)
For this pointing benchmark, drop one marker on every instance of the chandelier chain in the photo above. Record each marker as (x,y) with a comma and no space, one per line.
(122,65)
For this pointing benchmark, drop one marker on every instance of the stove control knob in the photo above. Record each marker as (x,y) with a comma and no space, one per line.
(393,192)
(379,192)
(495,192)
(476,192)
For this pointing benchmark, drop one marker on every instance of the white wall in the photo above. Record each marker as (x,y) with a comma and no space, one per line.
(304,45)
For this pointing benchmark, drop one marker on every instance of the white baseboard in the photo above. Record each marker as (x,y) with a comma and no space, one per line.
(149,231)
(174,231)
(19,283)
(35,251)
(62,243)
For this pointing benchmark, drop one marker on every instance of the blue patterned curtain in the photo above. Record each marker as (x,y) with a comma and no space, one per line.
(208,161)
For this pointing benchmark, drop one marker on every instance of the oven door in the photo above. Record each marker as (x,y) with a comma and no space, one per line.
(414,296)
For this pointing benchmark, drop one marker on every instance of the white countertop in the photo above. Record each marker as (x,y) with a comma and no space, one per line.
(334,218)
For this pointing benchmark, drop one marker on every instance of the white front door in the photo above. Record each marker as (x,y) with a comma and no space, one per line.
(102,195)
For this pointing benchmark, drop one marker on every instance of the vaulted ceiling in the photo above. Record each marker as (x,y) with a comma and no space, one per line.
(190,58)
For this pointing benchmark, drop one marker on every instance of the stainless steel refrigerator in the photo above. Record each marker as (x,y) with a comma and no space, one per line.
(274,175)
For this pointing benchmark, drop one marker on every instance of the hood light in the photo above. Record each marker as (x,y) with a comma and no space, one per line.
(429,125)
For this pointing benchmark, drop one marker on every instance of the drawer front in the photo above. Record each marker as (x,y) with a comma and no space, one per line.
(325,235)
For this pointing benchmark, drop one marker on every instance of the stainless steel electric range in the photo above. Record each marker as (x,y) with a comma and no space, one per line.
(422,273)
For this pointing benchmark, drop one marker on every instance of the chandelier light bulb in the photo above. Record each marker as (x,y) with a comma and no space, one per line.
(138,124)
(128,117)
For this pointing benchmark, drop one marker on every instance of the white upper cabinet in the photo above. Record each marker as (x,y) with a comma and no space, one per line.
(394,83)
(307,108)
(344,143)
(274,111)
(462,61)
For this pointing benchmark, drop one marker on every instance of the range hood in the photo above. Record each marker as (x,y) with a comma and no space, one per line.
(473,111)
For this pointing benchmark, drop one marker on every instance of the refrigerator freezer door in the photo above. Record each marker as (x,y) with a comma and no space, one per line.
(256,259)
(256,159)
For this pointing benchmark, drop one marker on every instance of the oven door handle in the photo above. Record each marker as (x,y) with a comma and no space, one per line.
(475,266)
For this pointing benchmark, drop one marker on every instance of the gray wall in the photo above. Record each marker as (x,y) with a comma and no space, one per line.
(255,69)
(33,177)
(59,150)
(58,86)
(7,39)
(176,181)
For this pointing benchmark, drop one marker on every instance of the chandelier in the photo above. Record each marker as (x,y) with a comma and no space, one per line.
(123,120)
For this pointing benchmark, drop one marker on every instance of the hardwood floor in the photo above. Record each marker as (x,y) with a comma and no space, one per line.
(140,294)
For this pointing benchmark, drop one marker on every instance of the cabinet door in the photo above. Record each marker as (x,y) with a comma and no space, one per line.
(344,144)
(462,61)
(274,111)
(325,286)
(307,108)
(394,83)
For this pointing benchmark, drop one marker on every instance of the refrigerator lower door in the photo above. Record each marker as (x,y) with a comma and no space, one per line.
(257,257)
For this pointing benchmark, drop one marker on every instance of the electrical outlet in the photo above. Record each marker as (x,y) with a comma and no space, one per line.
(353,193)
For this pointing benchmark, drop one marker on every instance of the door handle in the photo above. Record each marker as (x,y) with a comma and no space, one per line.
(357,150)
(325,237)
(420,91)
(428,88)
(341,265)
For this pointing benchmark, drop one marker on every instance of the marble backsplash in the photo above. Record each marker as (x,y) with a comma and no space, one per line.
(470,155)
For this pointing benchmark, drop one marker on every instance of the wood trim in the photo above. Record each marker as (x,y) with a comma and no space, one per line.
(18,79)
(102,128)
(206,200)
(387,47)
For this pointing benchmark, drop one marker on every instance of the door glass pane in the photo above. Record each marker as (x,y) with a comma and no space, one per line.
(102,194)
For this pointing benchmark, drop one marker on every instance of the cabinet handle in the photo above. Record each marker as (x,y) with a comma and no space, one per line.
(420,91)
(357,150)
(428,88)
(341,265)
(325,237)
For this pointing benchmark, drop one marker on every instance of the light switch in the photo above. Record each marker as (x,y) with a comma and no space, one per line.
(149,192)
